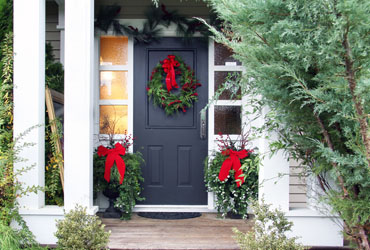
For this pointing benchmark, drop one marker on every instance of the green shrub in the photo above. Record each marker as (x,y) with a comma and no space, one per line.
(53,184)
(7,192)
(269,231)
(10,187)
(16,239)
(54,72)
(81,231)
(6,20)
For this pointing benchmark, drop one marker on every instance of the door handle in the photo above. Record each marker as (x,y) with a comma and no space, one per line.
(203,124)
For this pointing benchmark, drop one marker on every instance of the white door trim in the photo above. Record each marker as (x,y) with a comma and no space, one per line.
(170,32)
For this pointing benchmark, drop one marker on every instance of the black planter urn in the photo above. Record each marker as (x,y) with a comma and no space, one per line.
(111,211)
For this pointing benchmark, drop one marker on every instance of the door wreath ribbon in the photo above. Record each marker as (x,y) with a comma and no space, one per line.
(233,161)
(169,65)
(113,155)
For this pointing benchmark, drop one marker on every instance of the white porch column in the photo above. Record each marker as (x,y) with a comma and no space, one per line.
(29,92)
(273,175)
(78,114)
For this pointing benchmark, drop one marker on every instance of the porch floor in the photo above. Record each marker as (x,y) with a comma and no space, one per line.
(205,232)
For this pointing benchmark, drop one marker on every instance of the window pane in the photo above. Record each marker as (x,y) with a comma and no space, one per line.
(220,79)
(113,119)
(113,50)
(113,85)
(223,55)
(227,120)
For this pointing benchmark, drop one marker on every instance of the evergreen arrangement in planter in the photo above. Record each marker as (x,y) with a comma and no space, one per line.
(122,193)
(233,183)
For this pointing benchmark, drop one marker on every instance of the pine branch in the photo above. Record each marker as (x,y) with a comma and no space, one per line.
(350,75)
(322,183)
(330,144)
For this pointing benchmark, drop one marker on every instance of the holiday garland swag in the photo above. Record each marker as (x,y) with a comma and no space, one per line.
(166,71)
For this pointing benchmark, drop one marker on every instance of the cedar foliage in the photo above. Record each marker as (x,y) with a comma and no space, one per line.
(308,61)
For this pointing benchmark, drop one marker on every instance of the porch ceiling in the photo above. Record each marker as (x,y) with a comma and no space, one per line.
(135,9)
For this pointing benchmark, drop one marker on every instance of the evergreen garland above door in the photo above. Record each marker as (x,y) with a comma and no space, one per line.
(151,32)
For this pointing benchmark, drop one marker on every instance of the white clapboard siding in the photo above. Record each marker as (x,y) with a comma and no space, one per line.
(136,9)
(52,33)
(297,186)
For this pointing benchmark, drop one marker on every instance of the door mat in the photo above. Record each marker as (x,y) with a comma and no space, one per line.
(169,215)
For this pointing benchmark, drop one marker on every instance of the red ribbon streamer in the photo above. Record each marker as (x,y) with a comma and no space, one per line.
(168,66)
(233,161)
(113,155)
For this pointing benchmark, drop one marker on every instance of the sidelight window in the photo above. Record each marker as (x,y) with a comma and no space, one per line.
(114,85)
(226,112)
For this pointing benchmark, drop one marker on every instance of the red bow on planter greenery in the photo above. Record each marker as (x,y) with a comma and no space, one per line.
(233,161)
(168,66)
(113,155)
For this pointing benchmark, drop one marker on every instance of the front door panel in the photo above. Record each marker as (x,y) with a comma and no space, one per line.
(171,145)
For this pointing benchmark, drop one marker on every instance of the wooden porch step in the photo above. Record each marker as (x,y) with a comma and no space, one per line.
(203,233)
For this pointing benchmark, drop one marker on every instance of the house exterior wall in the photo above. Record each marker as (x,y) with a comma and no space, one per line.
(52,35)
(297,185)
(307,222)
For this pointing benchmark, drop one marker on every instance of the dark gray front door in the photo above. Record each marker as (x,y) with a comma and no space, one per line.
(171,145)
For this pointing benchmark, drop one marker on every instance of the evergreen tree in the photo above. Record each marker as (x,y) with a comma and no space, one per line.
(6,19)
(308,61)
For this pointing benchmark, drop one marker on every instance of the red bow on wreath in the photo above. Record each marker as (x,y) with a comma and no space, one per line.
(113,155)
(233,161)
(168,66)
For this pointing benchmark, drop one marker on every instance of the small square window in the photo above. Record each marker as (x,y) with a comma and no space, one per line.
(223,55)
(228,120)
(113,50)
(113,85)
(113,119)
(220,80)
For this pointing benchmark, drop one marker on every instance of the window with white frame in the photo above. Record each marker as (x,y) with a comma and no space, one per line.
(114,85)
(226,112)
